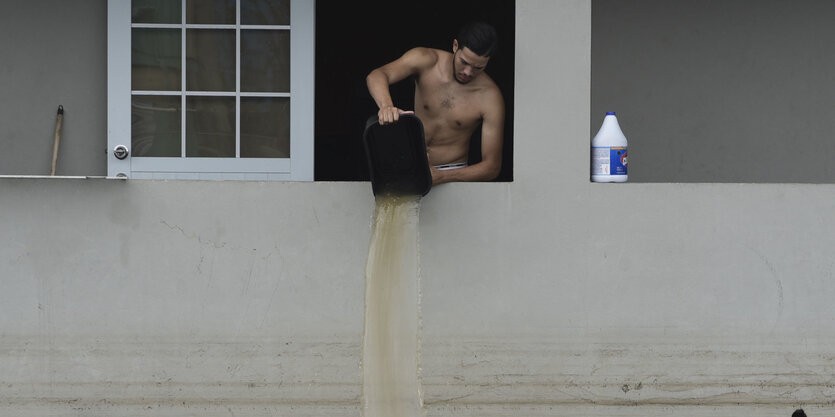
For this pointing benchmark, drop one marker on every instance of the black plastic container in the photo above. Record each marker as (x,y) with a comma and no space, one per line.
(396,153)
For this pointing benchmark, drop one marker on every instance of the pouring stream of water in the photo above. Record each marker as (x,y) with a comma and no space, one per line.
(390,357)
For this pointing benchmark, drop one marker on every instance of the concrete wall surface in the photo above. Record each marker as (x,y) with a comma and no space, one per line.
(211,298)
(547,296)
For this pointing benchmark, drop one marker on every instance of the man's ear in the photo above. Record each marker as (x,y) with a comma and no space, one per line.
(454,46)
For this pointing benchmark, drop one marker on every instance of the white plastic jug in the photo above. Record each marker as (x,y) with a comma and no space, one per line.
(608,152)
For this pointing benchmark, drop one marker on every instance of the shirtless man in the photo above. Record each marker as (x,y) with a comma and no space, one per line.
(452,96)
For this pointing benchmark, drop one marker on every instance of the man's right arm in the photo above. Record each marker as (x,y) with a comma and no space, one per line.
(412,62)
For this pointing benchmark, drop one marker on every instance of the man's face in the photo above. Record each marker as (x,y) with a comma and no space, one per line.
(466,64)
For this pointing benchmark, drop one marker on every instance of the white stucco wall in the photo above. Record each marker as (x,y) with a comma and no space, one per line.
(548,296)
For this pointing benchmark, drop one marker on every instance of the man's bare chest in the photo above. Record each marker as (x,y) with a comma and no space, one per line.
(447,104)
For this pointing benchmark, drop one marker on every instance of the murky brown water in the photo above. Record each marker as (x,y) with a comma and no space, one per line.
(390,358)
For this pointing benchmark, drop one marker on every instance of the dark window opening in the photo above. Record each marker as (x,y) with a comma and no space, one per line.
(353,38)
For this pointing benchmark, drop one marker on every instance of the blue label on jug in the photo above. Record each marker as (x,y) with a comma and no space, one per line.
(617,160)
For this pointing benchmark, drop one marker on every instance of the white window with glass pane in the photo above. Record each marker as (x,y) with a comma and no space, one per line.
(211,89)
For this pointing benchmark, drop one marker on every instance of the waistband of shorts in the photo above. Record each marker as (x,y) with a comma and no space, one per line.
(451,166)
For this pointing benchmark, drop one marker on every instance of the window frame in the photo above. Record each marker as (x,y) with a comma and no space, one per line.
(299,167)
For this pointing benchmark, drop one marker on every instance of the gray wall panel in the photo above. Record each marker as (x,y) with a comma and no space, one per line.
(53,52)
(718,91)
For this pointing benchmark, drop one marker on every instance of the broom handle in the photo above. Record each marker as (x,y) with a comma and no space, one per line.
(57,138)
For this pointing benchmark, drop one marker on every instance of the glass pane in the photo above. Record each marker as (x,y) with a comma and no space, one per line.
(210,60)
(155,125)
(265,12)
(265,127)
(265,61)
(156,11)
(156,59)
(210,12)
(210,127)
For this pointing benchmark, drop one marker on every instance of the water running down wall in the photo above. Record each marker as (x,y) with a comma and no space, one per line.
(390,359)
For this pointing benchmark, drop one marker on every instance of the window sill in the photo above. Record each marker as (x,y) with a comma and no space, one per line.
(63,177)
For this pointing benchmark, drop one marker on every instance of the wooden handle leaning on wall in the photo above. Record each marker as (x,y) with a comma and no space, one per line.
(57,142)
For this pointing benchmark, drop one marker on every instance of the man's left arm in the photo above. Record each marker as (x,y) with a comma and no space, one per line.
(492,135)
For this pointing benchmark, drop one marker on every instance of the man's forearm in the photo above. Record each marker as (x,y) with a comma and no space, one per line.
(482,171)
(378,87)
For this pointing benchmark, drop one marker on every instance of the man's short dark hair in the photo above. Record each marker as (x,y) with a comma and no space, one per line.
(799,413)
(480,37)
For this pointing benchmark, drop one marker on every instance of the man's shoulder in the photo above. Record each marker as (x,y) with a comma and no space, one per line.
(430,51)
(425,57)
(489,87)
(492,99)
